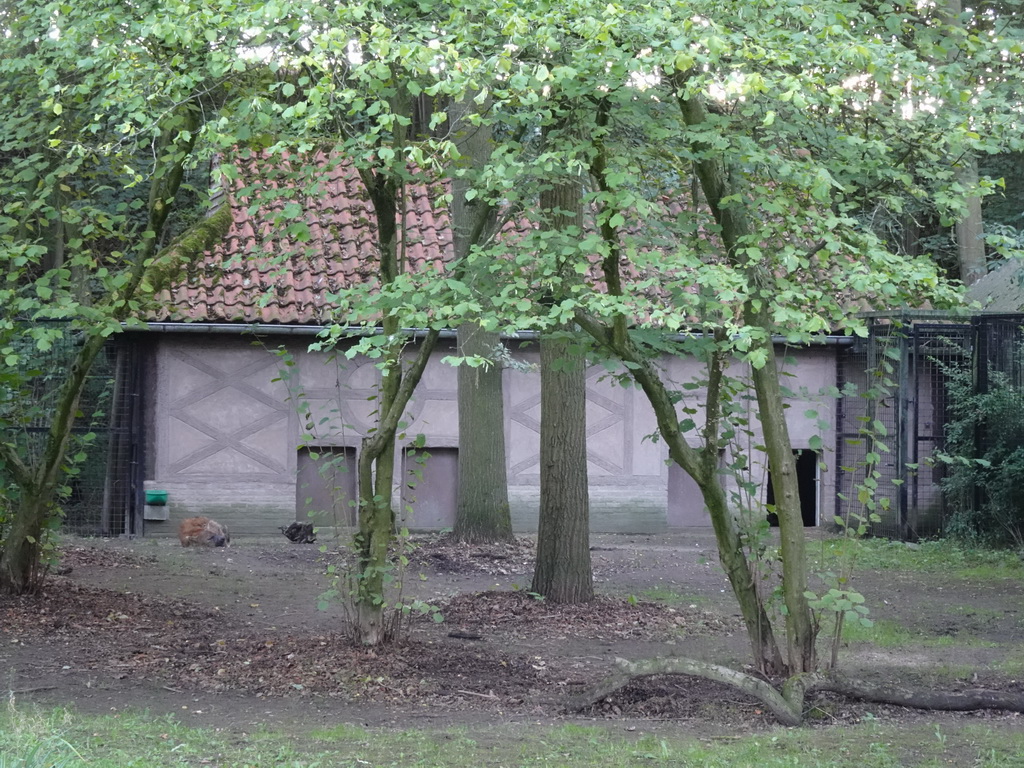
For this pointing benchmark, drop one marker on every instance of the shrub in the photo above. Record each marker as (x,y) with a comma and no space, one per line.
(985,453)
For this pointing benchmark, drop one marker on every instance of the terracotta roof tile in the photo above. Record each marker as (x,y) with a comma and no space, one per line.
(260,275)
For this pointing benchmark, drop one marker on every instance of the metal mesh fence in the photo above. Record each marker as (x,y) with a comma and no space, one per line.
(896,407)
(102,480)
(868,423)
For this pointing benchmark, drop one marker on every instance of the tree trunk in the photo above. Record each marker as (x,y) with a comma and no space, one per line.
(800,634)
(563,571)
(376,468)
(20,571)
(19,562)
(482,513)
(701,464)
(970,229)
(764,647)
(734,219)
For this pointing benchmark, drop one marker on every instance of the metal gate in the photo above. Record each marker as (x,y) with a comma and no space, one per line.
(895,407)
(102,490)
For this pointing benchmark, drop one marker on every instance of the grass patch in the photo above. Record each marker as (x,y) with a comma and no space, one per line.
(886,633)
(943,556)
(669,596)
(135,740)
(1013,664)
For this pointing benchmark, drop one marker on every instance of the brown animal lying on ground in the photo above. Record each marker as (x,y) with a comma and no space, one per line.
(203,532)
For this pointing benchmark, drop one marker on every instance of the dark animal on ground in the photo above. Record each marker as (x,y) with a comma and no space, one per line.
(301,533)
(203,532)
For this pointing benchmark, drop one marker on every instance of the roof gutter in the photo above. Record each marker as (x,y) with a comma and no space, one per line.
(270,329)
(275,329)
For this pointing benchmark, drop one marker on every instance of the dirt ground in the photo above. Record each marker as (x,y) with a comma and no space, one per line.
(234,637)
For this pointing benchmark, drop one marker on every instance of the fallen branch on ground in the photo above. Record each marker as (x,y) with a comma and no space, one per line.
(788,704)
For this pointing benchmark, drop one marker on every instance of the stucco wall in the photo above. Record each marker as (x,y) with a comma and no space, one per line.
(228,418)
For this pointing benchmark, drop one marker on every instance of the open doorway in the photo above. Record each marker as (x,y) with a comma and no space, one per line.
(807,479)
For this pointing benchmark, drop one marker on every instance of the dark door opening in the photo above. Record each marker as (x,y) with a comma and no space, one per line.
(807,479)
(429,486)
(325,489)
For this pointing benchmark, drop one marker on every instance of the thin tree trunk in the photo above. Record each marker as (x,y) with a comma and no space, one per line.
(800,635)
(376,517)
(376,469)
(701,464)
(563,571)
(970,229)
(736,229)
(764,647)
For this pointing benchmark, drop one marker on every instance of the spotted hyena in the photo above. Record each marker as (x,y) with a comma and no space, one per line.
(203,532)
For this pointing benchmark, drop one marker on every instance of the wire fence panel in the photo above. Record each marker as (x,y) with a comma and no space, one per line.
(102,483)
(896,407)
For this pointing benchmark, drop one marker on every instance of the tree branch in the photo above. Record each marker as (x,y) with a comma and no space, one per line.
(788,705)
(20,473)
(190,245)
(784,711)
(943,701)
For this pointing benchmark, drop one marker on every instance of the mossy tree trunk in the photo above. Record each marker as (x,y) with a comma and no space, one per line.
(700,463)
(733,218)
(376,465)
(20,568)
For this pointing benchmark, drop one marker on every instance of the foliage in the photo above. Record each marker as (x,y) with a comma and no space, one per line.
(985,455)
(1006,206)
(397,610)
(102,110)
(727,155)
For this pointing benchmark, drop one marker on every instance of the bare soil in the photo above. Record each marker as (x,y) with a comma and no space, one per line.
(235,637)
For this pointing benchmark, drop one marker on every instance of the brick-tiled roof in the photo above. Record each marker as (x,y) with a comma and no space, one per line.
(1001,290)
(261,275)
